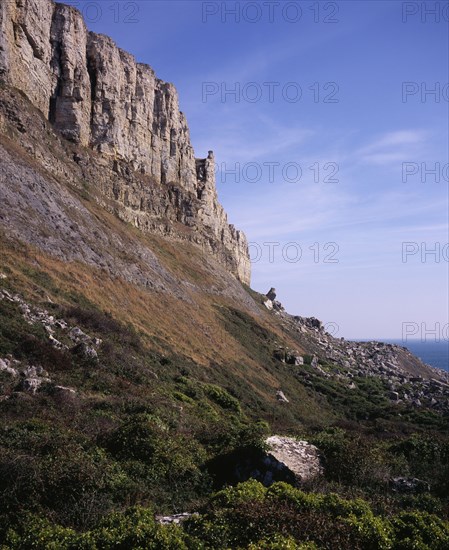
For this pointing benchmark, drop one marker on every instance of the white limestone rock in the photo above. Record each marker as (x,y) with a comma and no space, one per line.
(300,457)
(97,95)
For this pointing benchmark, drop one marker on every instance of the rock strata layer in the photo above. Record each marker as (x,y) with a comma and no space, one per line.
(98,97)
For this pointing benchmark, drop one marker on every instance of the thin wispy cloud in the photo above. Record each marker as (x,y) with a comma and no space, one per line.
(393,147)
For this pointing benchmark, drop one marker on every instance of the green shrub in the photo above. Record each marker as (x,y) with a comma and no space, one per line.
(43,467)
(38,533)
(370,532)
(161,461)
(352,459)
(279,542)
(221,397)
(136,529)
(283,515)
(283,492)
(243,492)
(420,530)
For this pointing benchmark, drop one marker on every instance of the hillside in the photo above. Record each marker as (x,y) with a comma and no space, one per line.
(137,366)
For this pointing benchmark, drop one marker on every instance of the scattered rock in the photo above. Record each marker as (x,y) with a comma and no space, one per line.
(70,392)
(281,397)
(277,306)
(84,350)
(32,385)
(313,323)
(409,485)
(56,343)
(34,372)
(292,358)
(394,396)
(77,335)
(5,366)
(4,294)
(279,354)
(176,519)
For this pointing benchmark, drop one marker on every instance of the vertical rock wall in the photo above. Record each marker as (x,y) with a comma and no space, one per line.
(98,96)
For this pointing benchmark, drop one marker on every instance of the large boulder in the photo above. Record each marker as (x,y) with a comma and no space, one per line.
(300,457)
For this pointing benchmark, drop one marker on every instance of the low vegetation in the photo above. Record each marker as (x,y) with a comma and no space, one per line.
(149,430)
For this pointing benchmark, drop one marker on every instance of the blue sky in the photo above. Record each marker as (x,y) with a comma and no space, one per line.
(320,127)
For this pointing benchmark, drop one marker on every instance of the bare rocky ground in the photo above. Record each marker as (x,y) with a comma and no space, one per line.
(407,378)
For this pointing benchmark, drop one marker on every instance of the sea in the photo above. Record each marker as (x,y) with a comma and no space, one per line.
(433,353)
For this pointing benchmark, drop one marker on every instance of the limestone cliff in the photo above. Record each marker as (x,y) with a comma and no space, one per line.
(98,97)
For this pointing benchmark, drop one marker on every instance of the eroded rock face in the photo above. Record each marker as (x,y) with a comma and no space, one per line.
(98,96)
(135,116)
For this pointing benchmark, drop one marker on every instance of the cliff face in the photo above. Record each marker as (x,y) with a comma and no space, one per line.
(98,97)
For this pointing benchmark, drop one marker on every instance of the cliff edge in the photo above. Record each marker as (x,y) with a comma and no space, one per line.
(98,97)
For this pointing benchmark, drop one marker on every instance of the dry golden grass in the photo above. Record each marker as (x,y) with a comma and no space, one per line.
(192,329)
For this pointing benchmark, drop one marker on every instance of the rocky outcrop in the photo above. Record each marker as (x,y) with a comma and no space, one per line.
(77,341)
(409,485)
(7,365)
(98,97)
(271,294)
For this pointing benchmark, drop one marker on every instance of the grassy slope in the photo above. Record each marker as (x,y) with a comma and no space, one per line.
(227,345)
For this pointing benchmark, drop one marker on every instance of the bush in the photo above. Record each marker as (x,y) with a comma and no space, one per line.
(249,513)
(222,397)
(134,529)
(370,532)
(352,460)
(279,542)
(420,530)
(160,460)
(37,533)
(249,491)
(45,468)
